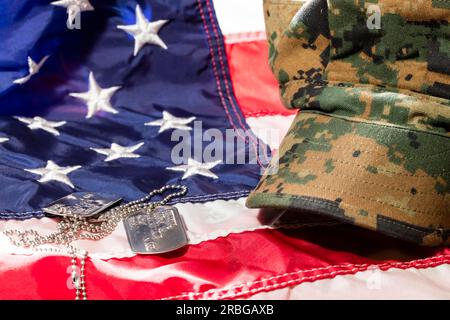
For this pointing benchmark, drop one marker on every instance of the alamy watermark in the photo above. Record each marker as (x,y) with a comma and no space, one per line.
(73,17)
(374,17)
(373,281)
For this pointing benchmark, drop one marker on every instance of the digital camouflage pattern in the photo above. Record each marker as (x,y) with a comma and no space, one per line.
(371,145)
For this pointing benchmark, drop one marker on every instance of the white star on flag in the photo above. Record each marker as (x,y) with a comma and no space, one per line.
(117,151)
(74,7)
(169,121)
(194,167)
(53,172)
(33,68)
(40,123)
(2,139)
(97,98)
(144,32)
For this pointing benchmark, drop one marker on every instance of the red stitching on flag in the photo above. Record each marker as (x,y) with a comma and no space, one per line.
(280,281)
(322,276)
(216,75)
(221,59)
(270,113)
(211,51)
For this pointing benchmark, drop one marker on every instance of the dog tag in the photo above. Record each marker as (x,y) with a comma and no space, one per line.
(155,231)
(84,204)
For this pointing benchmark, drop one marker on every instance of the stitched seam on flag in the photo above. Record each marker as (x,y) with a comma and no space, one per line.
(222,64)
(216,74)
(27,212)
(328,275)
(270,113)
(233,102)
(419,263)
(211,51)
(20,214)
(355,266)
(219,196)
(304,279)
(215,71)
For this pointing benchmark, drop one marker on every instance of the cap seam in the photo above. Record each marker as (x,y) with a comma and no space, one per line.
(342,84)
(408,92)
(372,151)
(327,205)
(373,183)
(368,122)
(428,99)
(427,213)
(282,195)
(363,167)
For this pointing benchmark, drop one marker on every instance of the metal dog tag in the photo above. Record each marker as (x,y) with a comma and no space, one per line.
(155,231)
(84,204)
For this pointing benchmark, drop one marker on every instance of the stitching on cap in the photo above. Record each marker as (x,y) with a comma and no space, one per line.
(375,184)
(405,91)
(387,125)
(383,185)
(427,213)
(367,164)
(392,125)
(325,204)
(403,226)
(373,151)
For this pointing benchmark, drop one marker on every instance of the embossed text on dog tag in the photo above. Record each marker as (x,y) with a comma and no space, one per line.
(84,204)
(155,231)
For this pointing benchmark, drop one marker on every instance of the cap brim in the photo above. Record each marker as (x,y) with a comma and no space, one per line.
(378,176)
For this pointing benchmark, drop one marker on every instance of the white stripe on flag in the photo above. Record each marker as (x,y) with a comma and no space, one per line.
(204,221)
(239,16)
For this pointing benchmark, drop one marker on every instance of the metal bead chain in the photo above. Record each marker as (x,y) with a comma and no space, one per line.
(79,281)
(72,228)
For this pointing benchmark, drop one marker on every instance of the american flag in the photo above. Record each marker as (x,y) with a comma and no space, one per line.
(88,102)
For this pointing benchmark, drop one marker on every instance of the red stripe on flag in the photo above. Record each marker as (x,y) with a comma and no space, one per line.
(255,87)
(238,265)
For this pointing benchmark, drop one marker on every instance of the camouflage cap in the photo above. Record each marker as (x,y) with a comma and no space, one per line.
(371,144)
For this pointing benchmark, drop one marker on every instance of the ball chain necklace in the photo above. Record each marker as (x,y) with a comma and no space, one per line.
(151,227)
